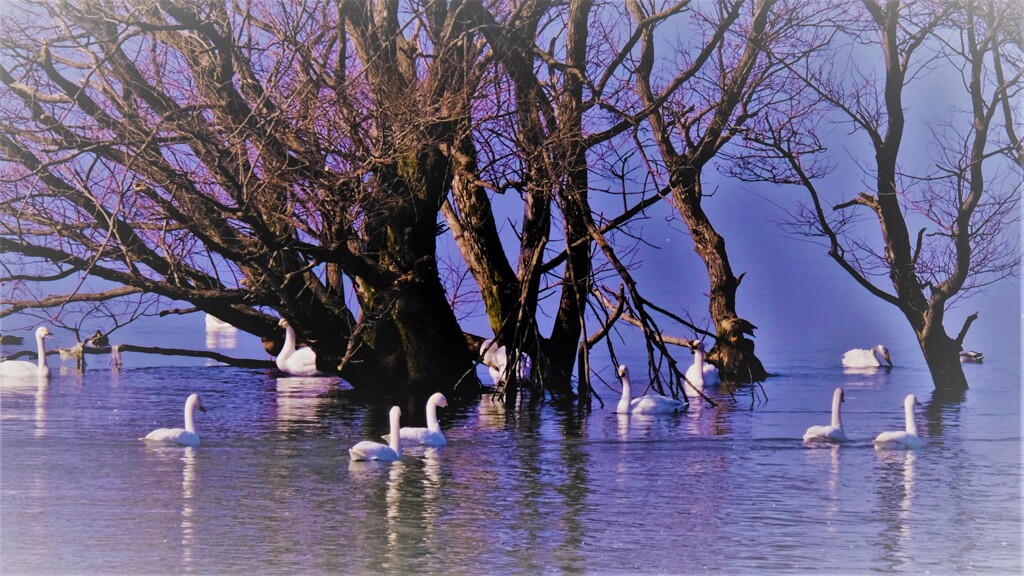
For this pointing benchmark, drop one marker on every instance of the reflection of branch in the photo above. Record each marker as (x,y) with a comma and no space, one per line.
(239,362)
(16,306)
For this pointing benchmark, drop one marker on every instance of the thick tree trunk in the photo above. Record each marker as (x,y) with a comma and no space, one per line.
(942,354)
(733,353)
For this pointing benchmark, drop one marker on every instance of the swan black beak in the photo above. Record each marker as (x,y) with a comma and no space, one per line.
(201,408)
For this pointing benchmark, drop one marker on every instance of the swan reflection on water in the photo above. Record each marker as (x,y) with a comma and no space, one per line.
(220,334)
(895,502)
(188,527)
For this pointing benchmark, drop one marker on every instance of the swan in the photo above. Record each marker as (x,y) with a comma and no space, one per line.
(970,356)
(431,435)
(368,450)
(649,404)
(21,368)
(301,362)
(496,360)
(834,432)
(214,324)
(902,438)
(700,373)
(185,436)
(860,358)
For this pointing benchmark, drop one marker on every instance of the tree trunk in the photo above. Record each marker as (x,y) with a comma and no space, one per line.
(733,353)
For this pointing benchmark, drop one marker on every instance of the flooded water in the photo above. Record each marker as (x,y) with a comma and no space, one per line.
(729,489)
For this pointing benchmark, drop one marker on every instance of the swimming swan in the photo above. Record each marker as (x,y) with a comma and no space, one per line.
(833,432)
(20,369)
(185,436)
(431,435)
(368,450)
(301,362)
(902,438)
(700,373)
(496,360)
(649,404)
(860,358)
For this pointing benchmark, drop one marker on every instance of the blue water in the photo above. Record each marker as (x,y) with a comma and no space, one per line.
(727,489)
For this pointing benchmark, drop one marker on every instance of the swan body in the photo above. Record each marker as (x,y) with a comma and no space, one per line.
(833,432)
(700,373)
(431,435)
(873,358)
(301,362)
(649,404)
(496,360)
(902,438)
(971,357)
(369,450)
(184,436)
(19,369)
(214,324)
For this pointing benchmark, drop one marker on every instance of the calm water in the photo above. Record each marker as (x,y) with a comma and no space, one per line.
(729,489)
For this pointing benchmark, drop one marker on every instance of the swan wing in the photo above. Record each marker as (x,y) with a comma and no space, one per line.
(655,404)
(172,436)
(367,450)
(897,439)
(15,372)
(423,436)
(825,434)
(859,358)
(302,362)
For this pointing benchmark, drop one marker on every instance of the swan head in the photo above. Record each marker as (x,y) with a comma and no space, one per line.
(439,400)
(196,403)
(911,401)
(282,323)
(696,346)
(42,332)
(623,371)
(840,394)
(884,353)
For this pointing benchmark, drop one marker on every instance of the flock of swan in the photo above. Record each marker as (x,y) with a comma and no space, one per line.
(302,362)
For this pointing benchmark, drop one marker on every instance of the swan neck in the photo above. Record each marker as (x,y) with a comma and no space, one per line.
(624,401)
(41,348)
(189,408)
(837,420)
(432,423)
(289,341)
(394,439)
(911,424)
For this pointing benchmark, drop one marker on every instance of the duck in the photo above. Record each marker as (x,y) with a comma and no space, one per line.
(369,450)
(98,340)
(22,369)
(701,373)
(873,358)
(833,432)
(649,404)
(300,362)
(908,438)
(186,436)
(431,435)
(8,340)
(971,357)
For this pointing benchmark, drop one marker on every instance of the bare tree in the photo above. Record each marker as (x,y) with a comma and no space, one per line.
(247,157)
(964,199)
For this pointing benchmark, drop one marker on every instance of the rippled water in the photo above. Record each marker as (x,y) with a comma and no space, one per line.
(729,489)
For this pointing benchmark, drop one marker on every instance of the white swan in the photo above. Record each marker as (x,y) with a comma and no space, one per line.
(185,436)
(20,369)
(214,324)
(301,362)
(369,450)
(496,359)
(700,373)
(902,438)
(431,435)
(860,358)
(649,404)
(833,432)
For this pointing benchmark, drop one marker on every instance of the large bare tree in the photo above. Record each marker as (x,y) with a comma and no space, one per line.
(947,213)
(249,158)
